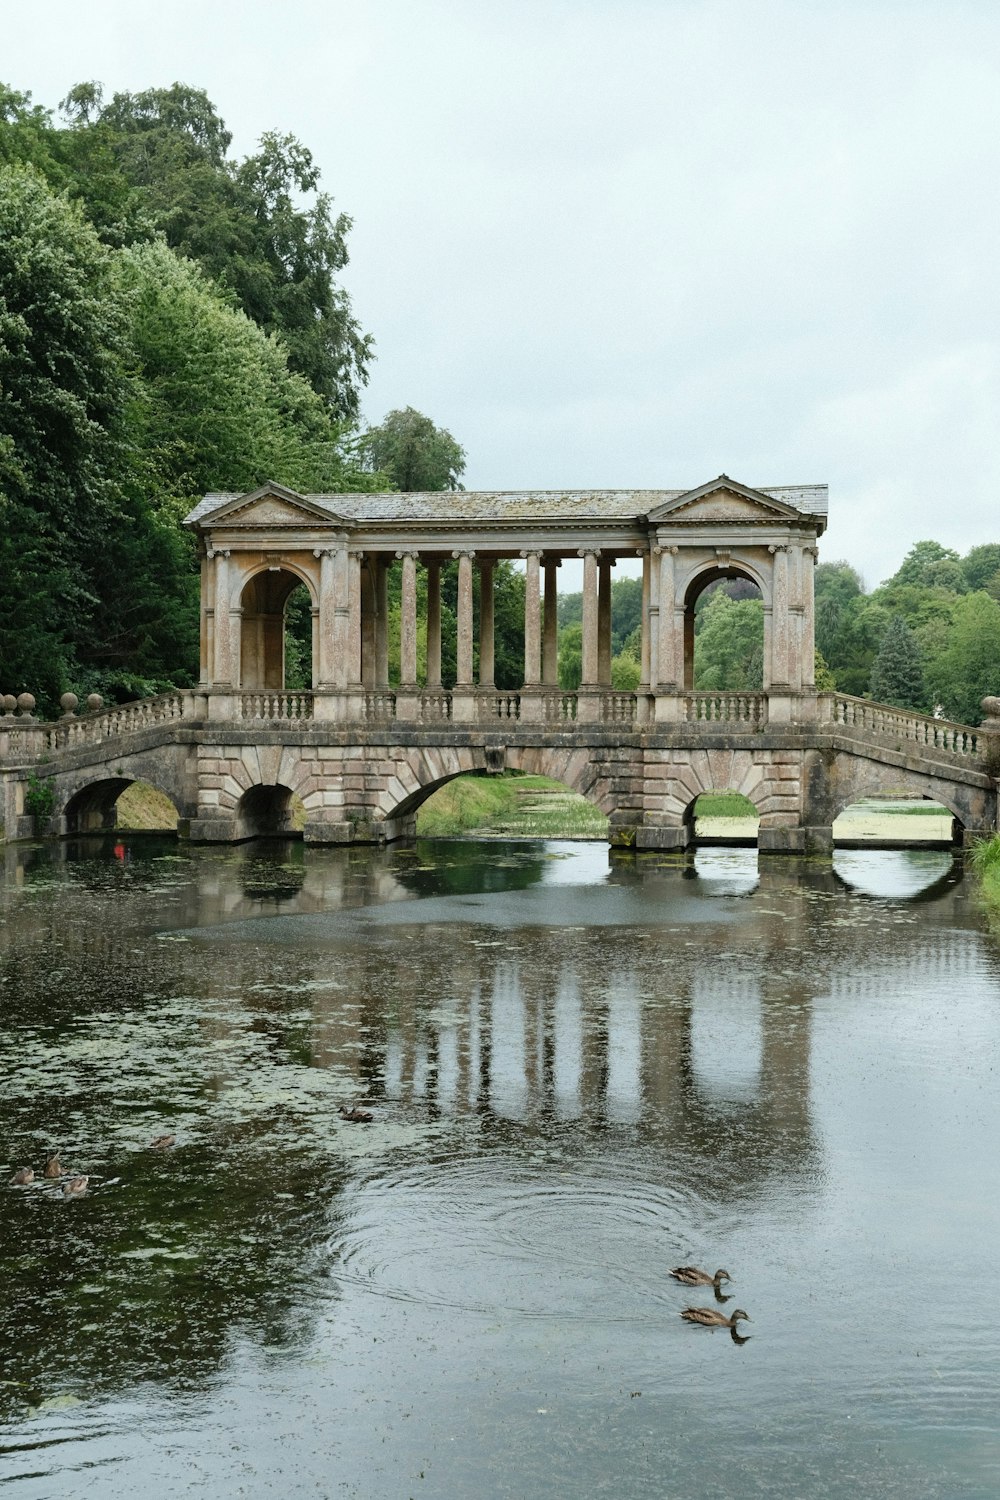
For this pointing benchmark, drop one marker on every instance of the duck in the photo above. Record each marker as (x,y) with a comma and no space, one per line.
(358,1116)
(76,1187)
(708,1317)
(53,1167)
(23,1176)
(691,1276)
(162,1143)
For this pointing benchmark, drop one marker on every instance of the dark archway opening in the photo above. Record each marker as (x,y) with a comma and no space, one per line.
(275,632)
(269,812)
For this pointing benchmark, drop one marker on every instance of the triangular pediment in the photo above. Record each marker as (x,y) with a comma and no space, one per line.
(723,501)
(271,506)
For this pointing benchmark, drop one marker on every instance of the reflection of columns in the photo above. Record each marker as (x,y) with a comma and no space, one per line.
(589,676)
(381,580)
(355,562)
(433,624)
(408,622)
(463,653)
(550,627)
(486,650)
(532,621)
(604,622)
(223,675)
(671,625)
(779,618)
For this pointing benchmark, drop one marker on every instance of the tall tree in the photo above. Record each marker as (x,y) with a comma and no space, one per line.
(414,453)
(898,675)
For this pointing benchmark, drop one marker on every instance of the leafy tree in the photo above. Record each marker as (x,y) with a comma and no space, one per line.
(728,651)
(64,390)
(968,668)
(571,657)
(414,453)
(923,565)
(981,565)
(897,675)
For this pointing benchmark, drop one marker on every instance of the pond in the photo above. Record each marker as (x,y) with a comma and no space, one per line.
(581,1073)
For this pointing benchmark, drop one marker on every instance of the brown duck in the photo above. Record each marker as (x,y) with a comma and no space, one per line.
(23,1176)
(358,1116)
(709,1317)
(76,1187)
(53,1167)
(162,1143)
(691,1276)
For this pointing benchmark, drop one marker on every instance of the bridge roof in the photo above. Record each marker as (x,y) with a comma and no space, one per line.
(510,505)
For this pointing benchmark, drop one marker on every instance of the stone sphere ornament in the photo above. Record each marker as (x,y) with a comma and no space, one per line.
(68,703)
(9,704)
(26,704)
(94,702)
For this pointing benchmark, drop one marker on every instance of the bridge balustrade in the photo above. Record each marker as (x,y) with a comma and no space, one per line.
(901,724)
(270,708)
(725,708)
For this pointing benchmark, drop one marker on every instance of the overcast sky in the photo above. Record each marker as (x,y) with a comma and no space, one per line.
(636,242)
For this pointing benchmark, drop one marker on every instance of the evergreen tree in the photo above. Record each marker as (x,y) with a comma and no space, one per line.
(897,674)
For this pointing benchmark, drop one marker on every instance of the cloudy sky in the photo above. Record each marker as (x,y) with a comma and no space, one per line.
(638,242)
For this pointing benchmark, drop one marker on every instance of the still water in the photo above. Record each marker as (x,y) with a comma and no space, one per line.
(581,1074)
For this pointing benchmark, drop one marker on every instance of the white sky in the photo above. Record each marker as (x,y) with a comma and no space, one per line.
(638,242)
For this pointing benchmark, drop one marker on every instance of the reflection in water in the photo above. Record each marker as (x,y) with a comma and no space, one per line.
(579,1077)
(904,872)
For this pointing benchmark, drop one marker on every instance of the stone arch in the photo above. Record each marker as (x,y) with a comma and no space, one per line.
(698,579)
(91,807)
(261,595)
(856,777)
(264,811)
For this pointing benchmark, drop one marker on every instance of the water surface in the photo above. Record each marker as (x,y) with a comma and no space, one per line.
(581,1074)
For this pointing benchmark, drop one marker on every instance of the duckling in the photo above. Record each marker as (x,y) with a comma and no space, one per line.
(358,1116)
(76,1187)
(708,1317)
(162,1143)
(22,1177)
(53,1167)
(691,1276)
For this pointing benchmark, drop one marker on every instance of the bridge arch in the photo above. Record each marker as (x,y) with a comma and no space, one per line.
(92,807)
(266,810)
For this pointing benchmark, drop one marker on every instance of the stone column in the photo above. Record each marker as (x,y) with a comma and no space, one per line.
(381,581)
(207,630)
(486,642)
(669,647)
(463,698)
(590,677)
(532,621)
(223,677)
(355,562)
(647,656)
(550,626)
(324,668)
(604,622)
(434,625)
(408,622)
(779,618)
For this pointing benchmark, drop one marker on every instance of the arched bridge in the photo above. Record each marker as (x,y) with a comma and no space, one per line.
(362,752)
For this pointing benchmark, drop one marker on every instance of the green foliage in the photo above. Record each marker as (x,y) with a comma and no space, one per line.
(571,658)
(967,669)
(729,645)
(897,675)
(40,797)
(414,453)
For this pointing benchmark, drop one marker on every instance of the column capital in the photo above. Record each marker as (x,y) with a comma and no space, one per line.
(530,552)
(324,551)
(588,552)
(217,551)
(464,552)
(407,552)
(779,547)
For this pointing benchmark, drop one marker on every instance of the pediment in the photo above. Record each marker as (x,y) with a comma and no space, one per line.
(724,501)
(271,506)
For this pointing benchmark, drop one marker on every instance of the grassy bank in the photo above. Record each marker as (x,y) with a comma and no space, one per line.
(986,864)
(531,807)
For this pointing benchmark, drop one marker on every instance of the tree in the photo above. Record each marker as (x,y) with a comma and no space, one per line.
(729,645)
(981,565)
(64,391)
(413,453)
(968,668)
(897,675)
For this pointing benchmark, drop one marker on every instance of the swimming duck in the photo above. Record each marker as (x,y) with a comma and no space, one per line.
(53,1167)
(358,1116)
(76,1187)
(23,1176)
(691,1276)
(709,1318)
(162,1142)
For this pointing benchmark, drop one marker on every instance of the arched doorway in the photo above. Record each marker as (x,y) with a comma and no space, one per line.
(265,602)
(724,645)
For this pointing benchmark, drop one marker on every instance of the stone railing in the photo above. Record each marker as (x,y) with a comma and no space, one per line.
(724,708)
(618,708)
(276,708)
(559,708)
(435,707)
(124,718)
(902,725)
(500,706)
(380,706)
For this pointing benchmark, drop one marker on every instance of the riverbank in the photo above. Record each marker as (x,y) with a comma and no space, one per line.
(986,864)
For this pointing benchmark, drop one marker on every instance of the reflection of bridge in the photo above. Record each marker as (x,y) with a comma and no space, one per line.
(362,755)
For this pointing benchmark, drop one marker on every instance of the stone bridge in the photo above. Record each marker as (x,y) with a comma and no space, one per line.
(361,752)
